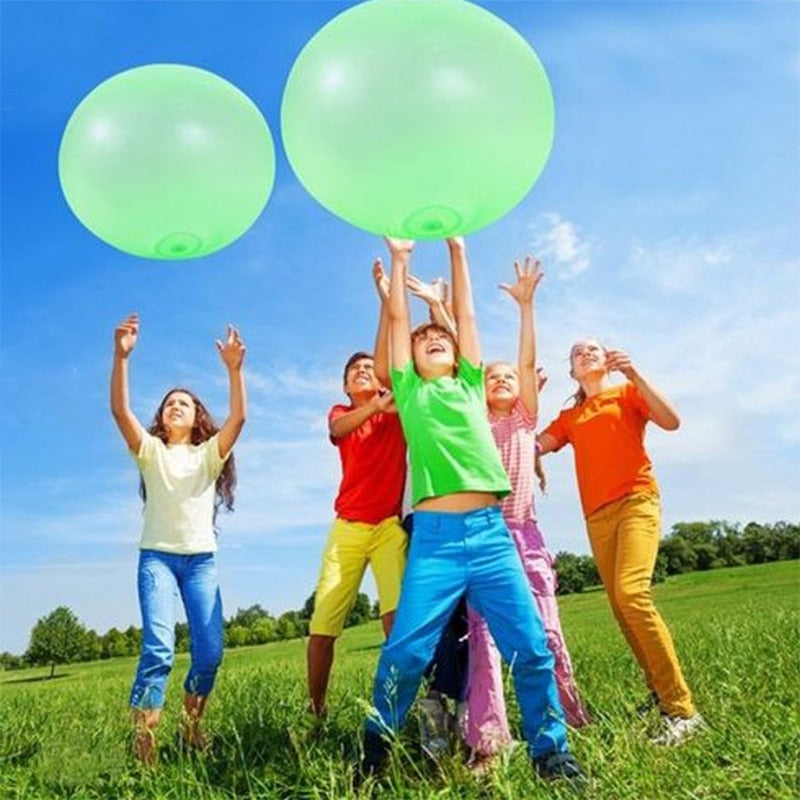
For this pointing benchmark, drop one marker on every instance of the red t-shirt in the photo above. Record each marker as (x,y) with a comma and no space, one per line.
(373,468)
(607,434)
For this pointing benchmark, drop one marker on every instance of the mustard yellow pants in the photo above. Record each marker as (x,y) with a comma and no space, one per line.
(624,537)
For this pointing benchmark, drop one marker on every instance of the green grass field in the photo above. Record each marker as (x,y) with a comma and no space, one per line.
(737,631)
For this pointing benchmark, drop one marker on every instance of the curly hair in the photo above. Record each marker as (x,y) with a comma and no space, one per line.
(204,428)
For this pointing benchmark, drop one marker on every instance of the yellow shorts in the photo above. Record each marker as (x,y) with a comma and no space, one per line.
(351,545)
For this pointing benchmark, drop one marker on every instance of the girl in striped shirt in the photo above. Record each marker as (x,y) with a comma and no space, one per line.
(512,400)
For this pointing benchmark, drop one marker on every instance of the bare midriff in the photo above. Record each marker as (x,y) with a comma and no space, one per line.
(458,502)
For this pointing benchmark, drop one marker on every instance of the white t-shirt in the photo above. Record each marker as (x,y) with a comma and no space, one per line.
(179,479)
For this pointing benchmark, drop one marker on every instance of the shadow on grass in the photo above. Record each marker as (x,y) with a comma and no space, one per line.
(39,679)
(365,648)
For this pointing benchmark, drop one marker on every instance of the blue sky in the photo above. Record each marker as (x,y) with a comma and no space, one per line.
(666,219)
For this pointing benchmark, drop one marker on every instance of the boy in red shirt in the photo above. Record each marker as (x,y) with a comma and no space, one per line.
(367,527)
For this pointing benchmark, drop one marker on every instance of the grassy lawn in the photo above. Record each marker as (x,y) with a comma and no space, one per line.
(737,632)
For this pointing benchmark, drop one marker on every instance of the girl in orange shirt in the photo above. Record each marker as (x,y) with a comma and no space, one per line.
(621,504)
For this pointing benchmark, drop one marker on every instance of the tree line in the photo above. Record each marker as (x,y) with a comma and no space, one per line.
(60,638)
(691,546)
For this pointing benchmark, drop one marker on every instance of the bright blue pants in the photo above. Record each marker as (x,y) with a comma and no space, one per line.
(162,579)
(452,554)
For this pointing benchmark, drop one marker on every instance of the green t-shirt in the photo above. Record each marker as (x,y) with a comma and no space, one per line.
(450,444)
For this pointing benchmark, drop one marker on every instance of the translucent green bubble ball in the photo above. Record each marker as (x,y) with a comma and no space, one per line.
(418,118)
(167,161)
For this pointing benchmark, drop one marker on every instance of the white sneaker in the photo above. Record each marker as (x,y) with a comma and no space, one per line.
(676,730)
(434,725)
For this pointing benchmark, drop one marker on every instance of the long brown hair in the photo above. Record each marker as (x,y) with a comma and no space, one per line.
(577,398)
(204,428)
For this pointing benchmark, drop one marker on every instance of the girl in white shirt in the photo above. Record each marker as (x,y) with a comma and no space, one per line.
(187,473)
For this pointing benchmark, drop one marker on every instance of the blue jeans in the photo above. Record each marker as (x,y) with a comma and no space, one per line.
(452,554)
(162,578)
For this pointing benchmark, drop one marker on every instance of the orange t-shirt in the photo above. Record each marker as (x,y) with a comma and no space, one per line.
(607,435)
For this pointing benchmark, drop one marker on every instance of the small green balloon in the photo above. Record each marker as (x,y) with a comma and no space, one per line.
(418,118)
(167,161)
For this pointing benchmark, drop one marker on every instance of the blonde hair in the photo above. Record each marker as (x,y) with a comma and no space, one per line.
(580,396)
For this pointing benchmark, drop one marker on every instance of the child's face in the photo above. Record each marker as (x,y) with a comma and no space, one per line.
(179,412)
(360,378)
(433,353)
(586,357)
(502,385)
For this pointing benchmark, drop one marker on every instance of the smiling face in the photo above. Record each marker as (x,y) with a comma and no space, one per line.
(502,385)
(586,358)
(359,377)
(433,351)
(178,414)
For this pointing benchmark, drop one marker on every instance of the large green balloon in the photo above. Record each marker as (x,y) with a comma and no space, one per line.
(417,118)
(167,161)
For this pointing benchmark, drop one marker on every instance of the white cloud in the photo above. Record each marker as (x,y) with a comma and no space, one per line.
(289,381)
(558,244)
(677,266)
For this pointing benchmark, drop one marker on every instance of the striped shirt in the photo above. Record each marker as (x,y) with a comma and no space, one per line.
(515,437)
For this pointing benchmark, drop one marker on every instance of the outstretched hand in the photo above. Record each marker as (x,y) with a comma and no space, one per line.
(541,378)
(399,246)
(381,279)
(383,401)
(428,292)
(126,334)
(529,273)
(456,243)
(621,362)
(232,350)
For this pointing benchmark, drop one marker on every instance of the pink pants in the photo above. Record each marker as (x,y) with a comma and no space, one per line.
(486,725)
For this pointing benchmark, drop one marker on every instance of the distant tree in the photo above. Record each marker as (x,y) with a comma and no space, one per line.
(56,639)
(785,538)
(115,644)
(730,552)
(263,631)
(285,627)
(571,577)
(376,609)
(133,640)
(679,555)
(236,636)
(705,555)
(182,637)
(10,661)
(360,612)
(754,544)
(660,569)
(308,606)
(697,532)
(591,577)
(92,647)
(247,617)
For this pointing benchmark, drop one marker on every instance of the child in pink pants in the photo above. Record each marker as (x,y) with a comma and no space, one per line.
(512,399)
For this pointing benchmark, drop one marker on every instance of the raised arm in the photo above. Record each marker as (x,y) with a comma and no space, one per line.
(463,307)
(232,352)
(399,324)
(662,412)
(350,420)
(435,296)
(125,337)
(381,359)
(528,276)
